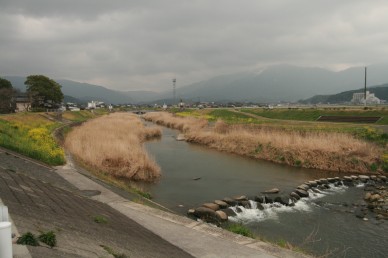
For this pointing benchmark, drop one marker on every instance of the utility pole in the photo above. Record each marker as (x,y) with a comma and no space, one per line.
(174,90)
(365,87)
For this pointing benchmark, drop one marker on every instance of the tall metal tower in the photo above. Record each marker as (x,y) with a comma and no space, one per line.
(174,90)
(365,87)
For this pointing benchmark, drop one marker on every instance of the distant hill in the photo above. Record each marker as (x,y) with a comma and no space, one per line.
(380,91)
(280,83)
(84,92)
(277,83)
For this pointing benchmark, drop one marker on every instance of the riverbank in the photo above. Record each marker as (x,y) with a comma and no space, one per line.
(113,144)
(329,151)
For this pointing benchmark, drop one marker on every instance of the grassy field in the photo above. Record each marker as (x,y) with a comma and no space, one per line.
(30,134)
(312,114)
(83,115)
(327,146)
(113,145)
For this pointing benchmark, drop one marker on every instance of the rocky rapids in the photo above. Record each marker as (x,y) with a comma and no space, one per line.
(374,203)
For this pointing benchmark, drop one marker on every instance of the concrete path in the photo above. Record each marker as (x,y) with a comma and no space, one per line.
(42,199)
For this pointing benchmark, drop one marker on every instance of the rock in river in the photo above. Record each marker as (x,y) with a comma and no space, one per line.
(212,206)
(302,193)
(240,198)
(271,191)
(230,201)
(229,212)
(222,204)
(206,214)
(222,215)
(282,199)
(295,195)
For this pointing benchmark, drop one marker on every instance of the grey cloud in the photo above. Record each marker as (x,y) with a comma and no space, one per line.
(142,44)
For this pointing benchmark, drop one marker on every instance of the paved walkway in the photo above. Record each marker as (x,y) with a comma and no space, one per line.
(133,229)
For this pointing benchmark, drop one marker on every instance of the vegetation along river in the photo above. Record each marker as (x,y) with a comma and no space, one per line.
(324,224)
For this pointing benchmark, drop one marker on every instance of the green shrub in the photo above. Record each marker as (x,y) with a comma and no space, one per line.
(373,167)
(240,229)
(48,238)
(100,219)
(27,239)
(146,195)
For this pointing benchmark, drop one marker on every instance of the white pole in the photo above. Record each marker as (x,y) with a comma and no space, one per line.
(5,240)
(3,213)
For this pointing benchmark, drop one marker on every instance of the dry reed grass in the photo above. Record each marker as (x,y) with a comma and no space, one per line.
(183,124)
(321,150)
(113,144)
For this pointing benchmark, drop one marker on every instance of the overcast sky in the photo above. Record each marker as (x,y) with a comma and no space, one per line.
(133,45)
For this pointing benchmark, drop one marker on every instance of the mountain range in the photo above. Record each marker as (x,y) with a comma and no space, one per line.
(276,83)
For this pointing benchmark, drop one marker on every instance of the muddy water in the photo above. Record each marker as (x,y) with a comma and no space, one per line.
(322,224)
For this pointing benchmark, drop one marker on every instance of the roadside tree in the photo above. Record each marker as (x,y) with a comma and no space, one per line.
(7,102)
(43,91)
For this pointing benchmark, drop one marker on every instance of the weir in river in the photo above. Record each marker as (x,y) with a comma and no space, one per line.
(324,223)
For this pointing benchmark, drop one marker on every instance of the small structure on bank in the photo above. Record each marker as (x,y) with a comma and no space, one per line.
(23,103)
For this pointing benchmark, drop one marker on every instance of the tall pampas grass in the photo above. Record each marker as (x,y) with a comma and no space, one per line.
(113,144)
(320,150)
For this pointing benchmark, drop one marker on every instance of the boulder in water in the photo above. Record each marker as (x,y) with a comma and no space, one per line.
(222,215)
(245,204)
(259,206)
(304,187)
(374,198)
(229,212)
(212,206)
(363,178)
(240,198)
(272,191)
(367,196)
(260,199)
(268,199)
(222,204)
(282,199)
(302,193)
(295,195)
(206,214)
(230,201)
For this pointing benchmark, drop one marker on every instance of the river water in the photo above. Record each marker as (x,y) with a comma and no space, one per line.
(323,224)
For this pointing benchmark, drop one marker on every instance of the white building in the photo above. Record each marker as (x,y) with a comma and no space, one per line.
(358,98)
(95,104)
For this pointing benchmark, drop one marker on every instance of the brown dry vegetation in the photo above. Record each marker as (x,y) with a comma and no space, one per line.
(321,150)
(113,144)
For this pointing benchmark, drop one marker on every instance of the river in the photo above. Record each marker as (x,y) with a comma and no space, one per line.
(323,224)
